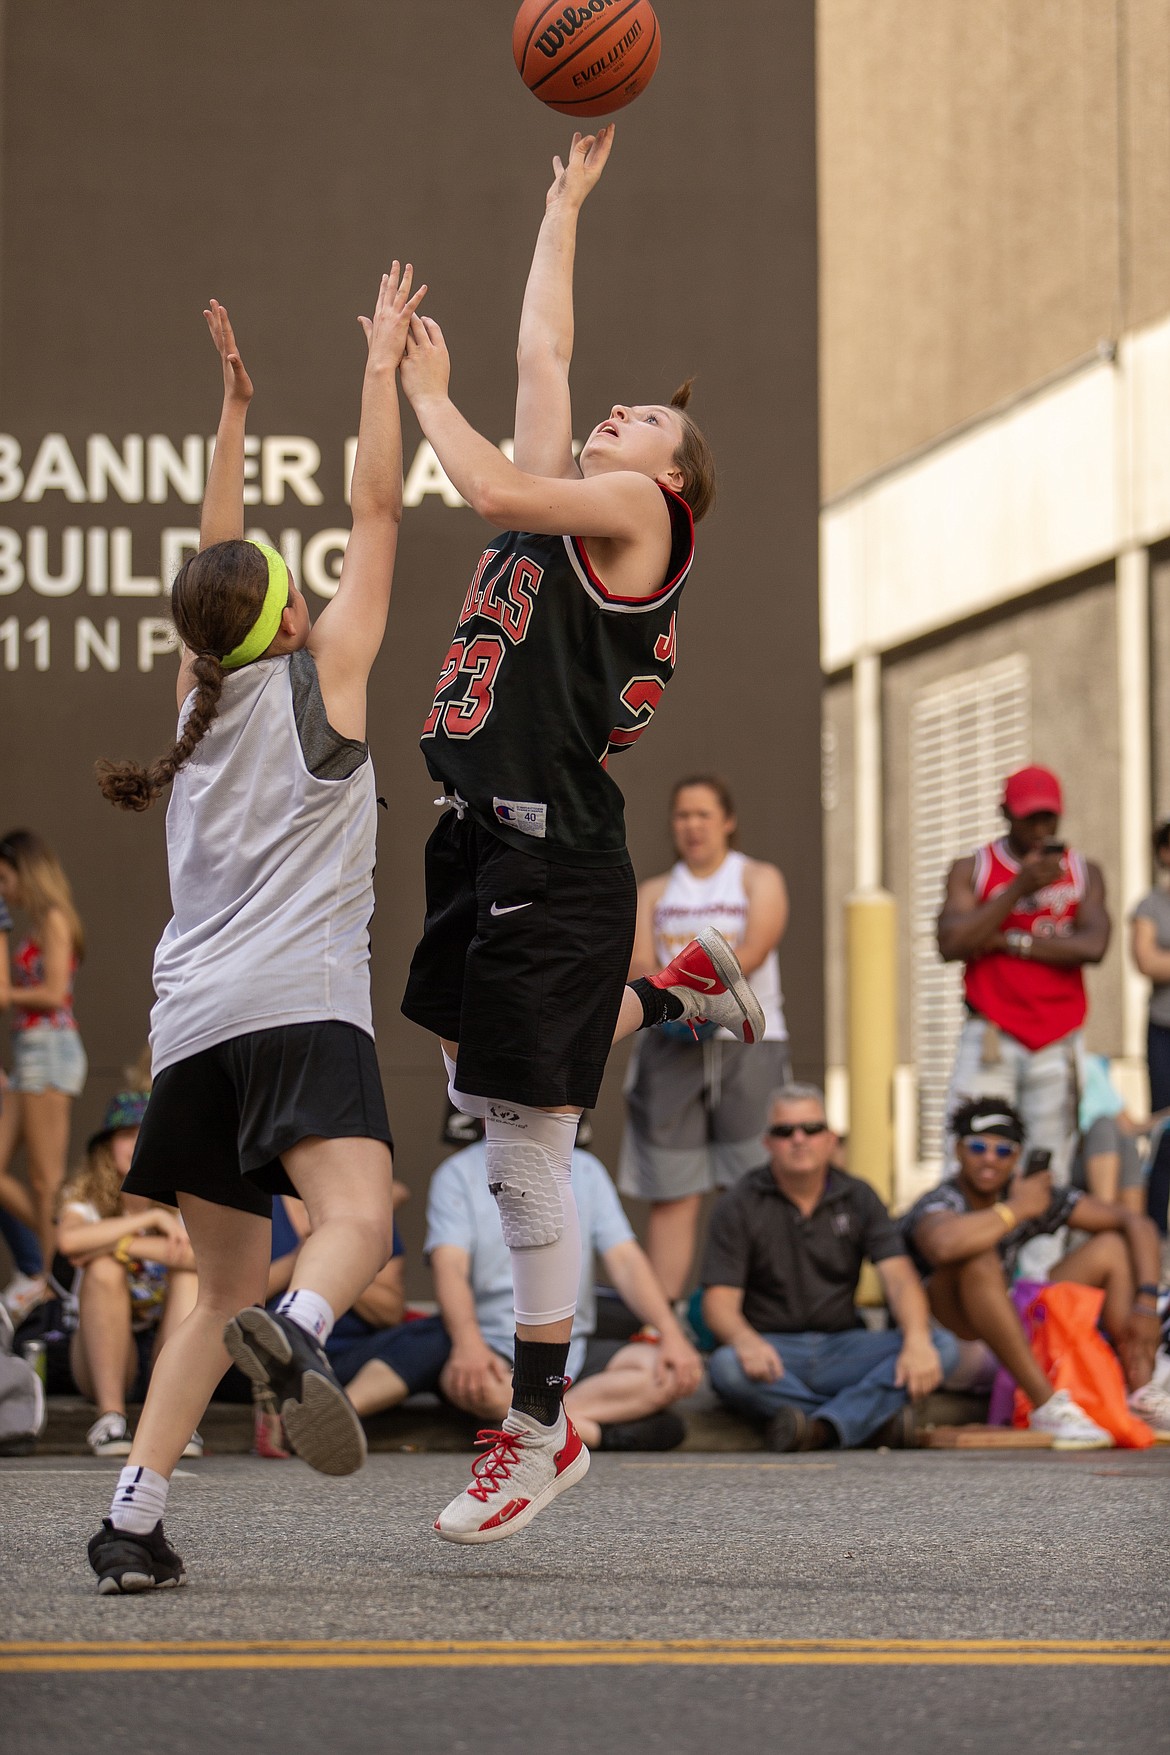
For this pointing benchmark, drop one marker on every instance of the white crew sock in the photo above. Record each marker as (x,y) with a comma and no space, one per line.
(310,1312)
(139,1501)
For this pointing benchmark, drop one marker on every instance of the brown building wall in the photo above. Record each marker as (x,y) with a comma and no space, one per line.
(142,173)
(995,202)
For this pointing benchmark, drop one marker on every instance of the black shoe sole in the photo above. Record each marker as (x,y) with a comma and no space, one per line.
(317,1414)
(129,1584)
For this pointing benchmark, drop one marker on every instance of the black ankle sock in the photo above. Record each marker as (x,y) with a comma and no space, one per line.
(538,1379)
(658,1006)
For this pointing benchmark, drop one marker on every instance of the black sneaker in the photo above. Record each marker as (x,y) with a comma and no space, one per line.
(788,1429)
(662,1431)
(318,1417)
(126,1563)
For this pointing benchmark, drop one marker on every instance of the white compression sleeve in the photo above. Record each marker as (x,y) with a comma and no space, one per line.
(460,1100)
(529,1162)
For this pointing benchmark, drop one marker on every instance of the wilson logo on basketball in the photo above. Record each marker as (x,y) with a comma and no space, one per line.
(571,20)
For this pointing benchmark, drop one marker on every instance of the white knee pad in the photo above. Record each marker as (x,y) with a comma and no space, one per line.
(529,1160)
(466,1105)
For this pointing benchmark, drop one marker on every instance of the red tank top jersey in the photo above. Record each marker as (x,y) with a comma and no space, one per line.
(1034,1002)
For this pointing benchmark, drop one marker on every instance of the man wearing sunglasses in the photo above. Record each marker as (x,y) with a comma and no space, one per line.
(784,1254)
(966,1235)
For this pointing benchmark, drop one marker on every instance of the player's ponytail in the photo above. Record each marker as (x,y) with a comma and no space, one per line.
(215,600)
(693,457)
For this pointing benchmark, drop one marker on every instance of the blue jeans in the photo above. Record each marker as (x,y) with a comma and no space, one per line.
(1158,1061)
(23,1244)
(846,1379)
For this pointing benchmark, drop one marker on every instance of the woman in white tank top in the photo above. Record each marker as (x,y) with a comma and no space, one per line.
(696,1102)
(265,1076)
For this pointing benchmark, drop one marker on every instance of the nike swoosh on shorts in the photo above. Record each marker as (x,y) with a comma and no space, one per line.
(514,909)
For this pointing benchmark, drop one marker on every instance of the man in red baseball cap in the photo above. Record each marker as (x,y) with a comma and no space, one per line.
(1024,915)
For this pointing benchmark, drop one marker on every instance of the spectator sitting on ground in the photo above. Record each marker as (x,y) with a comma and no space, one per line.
(966,1235)
(135,1281)
(783,1258)
(380,1358)
(618,1405)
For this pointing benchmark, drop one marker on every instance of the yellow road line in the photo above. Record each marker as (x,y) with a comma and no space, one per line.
(27,1656)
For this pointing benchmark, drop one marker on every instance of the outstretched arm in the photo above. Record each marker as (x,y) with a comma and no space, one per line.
(222,517)
(544,422)
(619,504)
(348,633)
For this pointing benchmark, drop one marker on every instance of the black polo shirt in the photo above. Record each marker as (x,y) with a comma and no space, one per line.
(798,1275)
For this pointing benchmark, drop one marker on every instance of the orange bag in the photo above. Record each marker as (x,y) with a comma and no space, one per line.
(1061,1322)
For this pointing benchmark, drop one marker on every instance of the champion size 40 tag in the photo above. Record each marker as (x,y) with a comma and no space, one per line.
(528,817)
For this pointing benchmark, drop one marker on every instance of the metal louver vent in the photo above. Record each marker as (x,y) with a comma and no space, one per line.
(967,733)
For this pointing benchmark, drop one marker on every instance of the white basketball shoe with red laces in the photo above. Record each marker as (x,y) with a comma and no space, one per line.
(712,987)
(524,1470)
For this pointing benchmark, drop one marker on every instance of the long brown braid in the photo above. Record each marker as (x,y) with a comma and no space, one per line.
(215,600)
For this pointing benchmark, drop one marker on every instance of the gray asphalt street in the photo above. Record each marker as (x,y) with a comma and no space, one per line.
(919,1573)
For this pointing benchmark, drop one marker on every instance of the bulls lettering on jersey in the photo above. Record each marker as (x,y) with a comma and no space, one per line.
(548,676)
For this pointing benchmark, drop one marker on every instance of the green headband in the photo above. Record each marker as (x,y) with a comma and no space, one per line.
(264,629)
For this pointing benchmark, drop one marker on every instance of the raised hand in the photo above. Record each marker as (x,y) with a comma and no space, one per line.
(237,386)
(587,159)
(387,330)
(426,364)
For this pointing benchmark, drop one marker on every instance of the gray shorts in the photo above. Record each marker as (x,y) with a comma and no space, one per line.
(1106,1136)
(48,1059)
(696,1112)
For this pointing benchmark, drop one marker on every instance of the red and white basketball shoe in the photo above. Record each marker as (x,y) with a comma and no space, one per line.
(525,1469)
(707,978)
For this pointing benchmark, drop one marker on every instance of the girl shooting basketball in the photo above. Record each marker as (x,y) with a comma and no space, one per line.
(564,646)
(265,1076)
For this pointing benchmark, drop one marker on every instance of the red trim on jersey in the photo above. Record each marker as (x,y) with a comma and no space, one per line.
(579,549)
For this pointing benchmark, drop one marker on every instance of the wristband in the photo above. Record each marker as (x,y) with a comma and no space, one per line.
(1147,1291)
(1005,1212)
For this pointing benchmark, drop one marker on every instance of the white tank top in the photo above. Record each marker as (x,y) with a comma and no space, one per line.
(720,900)
(271,873)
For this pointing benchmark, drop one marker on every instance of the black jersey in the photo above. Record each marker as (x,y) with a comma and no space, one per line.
(548,676)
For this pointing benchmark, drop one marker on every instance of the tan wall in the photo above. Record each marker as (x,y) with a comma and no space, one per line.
(979,229)
(1159,672)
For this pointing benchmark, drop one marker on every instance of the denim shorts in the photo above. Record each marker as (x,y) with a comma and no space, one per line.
(45,1059)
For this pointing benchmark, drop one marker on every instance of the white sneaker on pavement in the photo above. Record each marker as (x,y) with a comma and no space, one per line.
(22,1294)
(1069,1425)
(1151,1403)
(109,1436)
(525,1468)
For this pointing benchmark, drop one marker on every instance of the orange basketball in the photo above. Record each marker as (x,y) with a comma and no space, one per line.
(589,59)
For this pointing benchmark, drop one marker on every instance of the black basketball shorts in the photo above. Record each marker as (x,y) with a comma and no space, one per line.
(217,1122)
(522,961)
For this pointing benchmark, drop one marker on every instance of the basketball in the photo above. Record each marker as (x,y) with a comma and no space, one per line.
(586,60)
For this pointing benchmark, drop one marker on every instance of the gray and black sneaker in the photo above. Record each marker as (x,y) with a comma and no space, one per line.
(318,1416)
(126,1563)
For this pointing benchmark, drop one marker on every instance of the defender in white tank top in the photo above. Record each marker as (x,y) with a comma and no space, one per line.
(272,872)
(720,899)
(266,1074)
